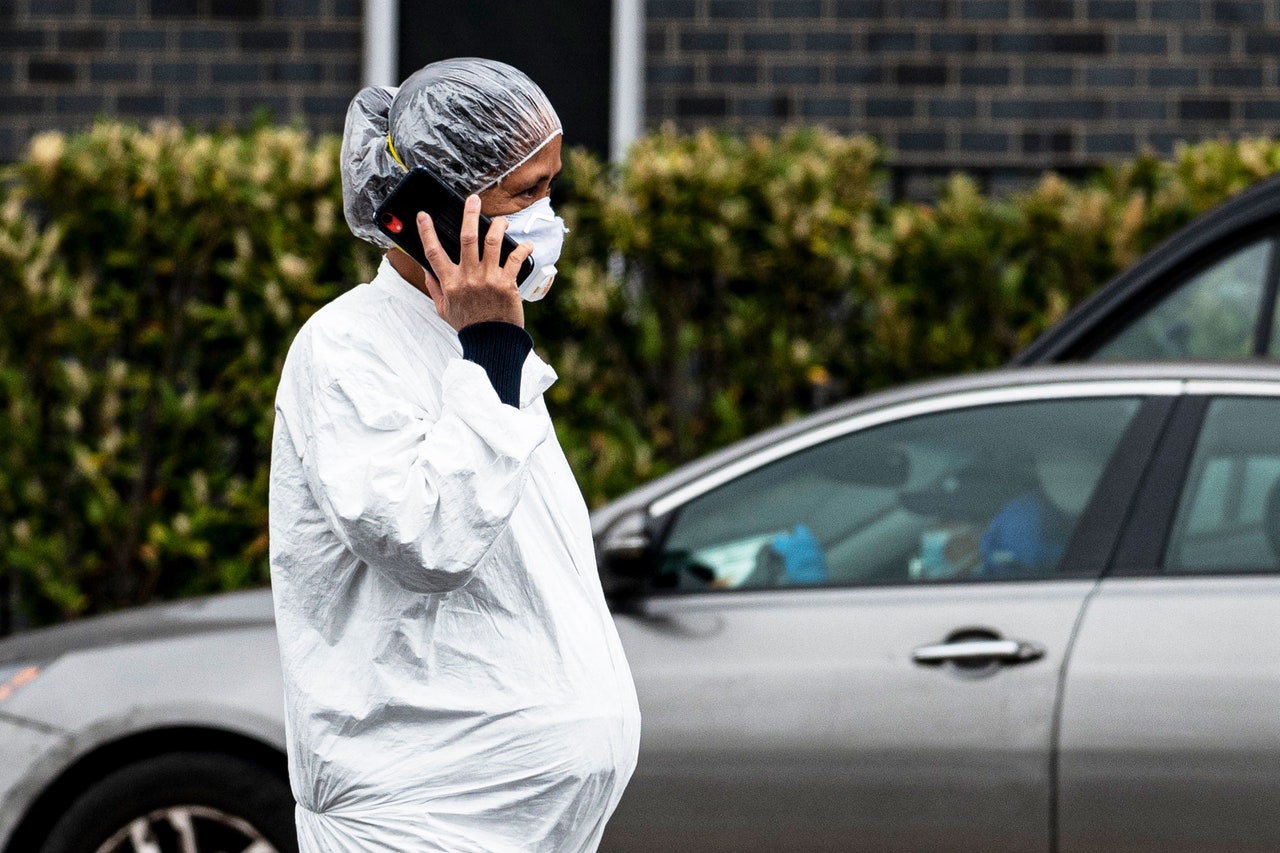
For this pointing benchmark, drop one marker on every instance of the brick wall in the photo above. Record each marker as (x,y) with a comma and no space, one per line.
(65,62)
(995,84)
(1005,86)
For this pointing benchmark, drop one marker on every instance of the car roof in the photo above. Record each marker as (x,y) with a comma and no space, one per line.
(1239,216)
(1008,377)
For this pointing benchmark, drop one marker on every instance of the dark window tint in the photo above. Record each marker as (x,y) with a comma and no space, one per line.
(1212,315)
(990,492)
(1229,514)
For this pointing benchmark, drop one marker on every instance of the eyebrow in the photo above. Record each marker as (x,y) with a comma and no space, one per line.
(524,185)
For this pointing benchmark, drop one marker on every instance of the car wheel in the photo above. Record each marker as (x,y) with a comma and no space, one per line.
(180,803)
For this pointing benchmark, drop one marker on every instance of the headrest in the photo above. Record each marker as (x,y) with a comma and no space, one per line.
(970,494)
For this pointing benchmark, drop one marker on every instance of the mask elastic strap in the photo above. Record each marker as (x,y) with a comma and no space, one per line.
(392,148)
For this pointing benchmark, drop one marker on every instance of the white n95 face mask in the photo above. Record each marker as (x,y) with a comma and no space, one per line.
(539,225)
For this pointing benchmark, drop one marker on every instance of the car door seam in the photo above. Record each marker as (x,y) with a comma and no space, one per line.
(1055,725)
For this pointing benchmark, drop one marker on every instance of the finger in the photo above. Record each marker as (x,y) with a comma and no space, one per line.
(516,258)
(493,242)
(469,236)
(436,255)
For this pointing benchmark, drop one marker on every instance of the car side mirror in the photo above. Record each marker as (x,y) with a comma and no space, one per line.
(625,556)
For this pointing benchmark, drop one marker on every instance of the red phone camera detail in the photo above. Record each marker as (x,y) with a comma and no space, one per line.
(393,223)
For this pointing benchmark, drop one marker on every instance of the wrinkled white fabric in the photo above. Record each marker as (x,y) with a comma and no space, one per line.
(453,678)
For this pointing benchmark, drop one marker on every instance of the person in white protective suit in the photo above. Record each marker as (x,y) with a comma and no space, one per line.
(453,678)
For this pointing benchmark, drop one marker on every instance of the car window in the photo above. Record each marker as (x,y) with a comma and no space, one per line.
(1212,315)
(1229,513)
(991,492)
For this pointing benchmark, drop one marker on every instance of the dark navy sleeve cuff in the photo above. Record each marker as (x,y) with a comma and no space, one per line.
(500,348)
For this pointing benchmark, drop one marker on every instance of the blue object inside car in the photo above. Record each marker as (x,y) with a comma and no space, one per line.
(802,556)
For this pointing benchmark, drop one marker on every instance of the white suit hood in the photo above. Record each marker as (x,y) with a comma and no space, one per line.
(453,678)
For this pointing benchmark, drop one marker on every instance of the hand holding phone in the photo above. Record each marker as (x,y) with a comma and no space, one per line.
(423,190)
(476,289)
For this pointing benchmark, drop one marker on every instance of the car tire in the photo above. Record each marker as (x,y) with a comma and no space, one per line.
(219,802)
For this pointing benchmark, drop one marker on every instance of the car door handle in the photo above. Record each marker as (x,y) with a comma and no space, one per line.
(973,651)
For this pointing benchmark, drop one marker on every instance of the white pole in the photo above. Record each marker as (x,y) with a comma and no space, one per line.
(381,42)
(626,95)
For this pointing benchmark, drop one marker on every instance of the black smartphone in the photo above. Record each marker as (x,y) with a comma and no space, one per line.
(421,189)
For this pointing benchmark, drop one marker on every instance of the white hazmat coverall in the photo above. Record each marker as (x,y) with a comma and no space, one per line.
(453,678)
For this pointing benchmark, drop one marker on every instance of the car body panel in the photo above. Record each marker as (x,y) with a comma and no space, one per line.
(207,664)
(229,611)
(224,679)
(799,721)
(1170,732)
(218,655)
(32,755)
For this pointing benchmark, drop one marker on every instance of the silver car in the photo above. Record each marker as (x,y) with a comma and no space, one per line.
(1032,610)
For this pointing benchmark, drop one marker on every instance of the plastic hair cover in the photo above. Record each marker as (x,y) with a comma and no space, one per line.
(471,121)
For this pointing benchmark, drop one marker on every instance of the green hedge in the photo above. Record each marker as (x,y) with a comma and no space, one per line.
(151,280)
